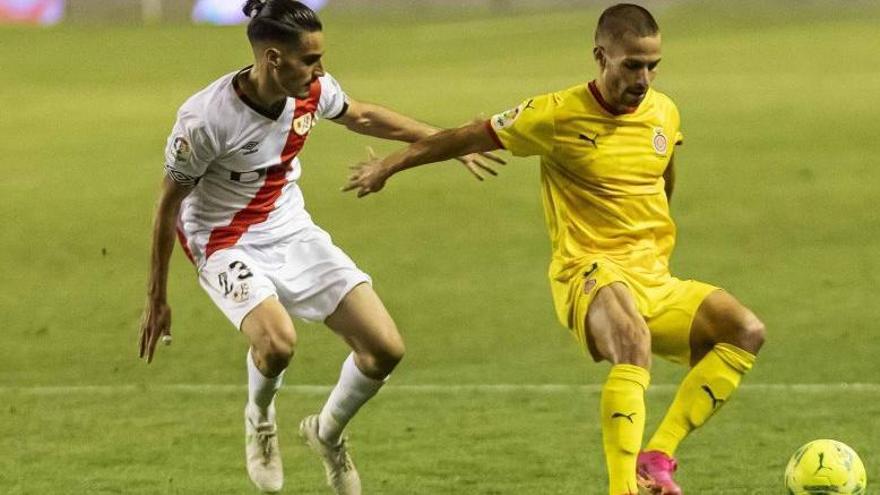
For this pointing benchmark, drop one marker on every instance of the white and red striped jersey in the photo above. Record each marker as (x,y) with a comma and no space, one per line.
(243,164)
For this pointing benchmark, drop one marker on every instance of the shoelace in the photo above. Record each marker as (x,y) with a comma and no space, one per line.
(340,456)
(265,433)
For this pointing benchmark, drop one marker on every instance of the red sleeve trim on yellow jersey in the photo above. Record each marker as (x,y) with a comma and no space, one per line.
(494,135)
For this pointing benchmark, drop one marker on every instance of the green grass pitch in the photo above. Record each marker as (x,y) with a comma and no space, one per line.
(776,201)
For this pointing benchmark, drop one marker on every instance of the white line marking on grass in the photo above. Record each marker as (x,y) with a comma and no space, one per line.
(549,388)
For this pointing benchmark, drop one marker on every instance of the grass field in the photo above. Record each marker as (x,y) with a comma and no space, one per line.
(776,201)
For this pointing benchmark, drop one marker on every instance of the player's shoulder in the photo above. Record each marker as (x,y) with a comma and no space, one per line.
(552,101)
(330,87)
(663,101)
(327,79)
(209,105)
(573,99)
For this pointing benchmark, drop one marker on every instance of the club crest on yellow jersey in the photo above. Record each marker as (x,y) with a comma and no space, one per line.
(660,141)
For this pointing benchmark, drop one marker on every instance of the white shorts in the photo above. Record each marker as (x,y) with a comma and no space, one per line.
(306,272)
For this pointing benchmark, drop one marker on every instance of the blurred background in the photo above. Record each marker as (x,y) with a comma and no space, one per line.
(776,196)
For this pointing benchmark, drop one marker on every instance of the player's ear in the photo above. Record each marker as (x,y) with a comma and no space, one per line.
(273,57)
(599,56)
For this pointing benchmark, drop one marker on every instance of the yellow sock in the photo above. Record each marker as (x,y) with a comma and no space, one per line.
(623,424)
(706,388)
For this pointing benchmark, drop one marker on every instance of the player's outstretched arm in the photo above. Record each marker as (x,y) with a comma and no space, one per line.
(377,121)
(156,320)
(370,176)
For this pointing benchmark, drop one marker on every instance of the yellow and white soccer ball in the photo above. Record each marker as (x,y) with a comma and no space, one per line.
(825,467)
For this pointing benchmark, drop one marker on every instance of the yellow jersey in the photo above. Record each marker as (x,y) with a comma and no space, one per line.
(601,175)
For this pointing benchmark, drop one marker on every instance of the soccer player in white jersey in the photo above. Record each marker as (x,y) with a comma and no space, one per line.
(230,193)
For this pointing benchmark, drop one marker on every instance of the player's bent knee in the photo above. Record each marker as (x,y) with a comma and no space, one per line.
(274,346)
(380,361)
(389,356)
(280,350)
(751,334)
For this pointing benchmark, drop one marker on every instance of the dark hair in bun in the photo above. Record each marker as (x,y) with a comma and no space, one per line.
(279,20)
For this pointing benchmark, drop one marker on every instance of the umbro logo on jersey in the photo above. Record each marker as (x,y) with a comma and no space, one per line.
(250,148)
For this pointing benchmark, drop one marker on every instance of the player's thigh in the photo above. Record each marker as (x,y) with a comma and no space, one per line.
(721,318)
(238,284)
(235,282)
(366,326)
(615,330)
(270,331)
(671,317)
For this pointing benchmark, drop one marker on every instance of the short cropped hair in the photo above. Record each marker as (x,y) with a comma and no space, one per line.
(283,21)
(625,18)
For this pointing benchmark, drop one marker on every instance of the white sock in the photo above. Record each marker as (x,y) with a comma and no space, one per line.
(261,389)
(352,391)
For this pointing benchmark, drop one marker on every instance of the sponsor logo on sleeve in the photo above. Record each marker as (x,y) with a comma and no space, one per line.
(182,150)
(506,119)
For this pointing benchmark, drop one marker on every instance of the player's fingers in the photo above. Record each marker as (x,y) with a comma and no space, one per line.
(166,336)
(472,170)
(151,345)
(495,158)
(486,167)
(141,342)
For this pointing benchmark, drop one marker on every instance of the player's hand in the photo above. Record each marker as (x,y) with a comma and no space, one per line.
(479,163)
(368,176)
(155,325)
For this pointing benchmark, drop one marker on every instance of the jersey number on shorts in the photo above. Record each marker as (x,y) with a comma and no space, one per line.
(241,272)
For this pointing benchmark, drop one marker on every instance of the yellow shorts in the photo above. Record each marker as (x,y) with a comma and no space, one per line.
(667,304)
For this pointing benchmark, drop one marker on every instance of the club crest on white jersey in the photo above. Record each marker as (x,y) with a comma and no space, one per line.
(304,123)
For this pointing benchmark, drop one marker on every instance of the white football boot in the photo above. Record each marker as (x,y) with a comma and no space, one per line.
(261,452)
(342,476)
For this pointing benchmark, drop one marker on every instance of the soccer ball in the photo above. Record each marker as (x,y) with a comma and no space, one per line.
(825,467)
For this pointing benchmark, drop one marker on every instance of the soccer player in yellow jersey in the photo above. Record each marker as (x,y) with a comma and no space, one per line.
(607,175)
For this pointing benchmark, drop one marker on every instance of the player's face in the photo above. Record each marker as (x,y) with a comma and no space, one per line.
(628,67)
(298,67)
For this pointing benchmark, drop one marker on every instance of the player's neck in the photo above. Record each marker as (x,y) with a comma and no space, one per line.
(608,102)
(260,89)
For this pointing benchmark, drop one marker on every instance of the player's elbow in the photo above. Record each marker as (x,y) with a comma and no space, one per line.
(360,124)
